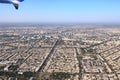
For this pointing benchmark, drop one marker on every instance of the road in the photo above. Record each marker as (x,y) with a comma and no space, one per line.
(41,67)
(79,58)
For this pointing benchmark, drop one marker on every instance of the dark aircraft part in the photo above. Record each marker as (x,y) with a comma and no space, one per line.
(21,0)
(16,6)
(5,1)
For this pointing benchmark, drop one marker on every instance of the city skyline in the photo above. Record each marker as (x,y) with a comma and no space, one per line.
(46,52)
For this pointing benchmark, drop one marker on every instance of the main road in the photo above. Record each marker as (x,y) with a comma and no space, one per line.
(42,66)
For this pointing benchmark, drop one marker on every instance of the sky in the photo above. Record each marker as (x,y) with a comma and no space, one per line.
(61,11)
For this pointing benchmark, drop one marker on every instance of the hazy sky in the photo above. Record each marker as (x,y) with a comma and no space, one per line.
(62,11)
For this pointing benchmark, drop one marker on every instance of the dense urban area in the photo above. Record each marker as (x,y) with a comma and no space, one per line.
(59,52)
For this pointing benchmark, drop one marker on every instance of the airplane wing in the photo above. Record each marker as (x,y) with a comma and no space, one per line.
(5,1)
(14,2)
